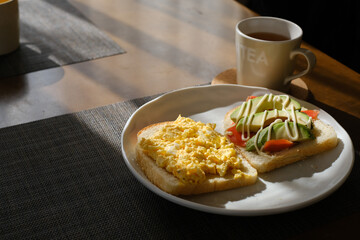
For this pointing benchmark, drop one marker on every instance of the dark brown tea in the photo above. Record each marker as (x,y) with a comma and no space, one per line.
(268,36)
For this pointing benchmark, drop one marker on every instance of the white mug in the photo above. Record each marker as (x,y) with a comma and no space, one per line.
(265,52)
(9,26)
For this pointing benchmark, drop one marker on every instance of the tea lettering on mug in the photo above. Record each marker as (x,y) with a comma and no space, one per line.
(262,58)
(252,55)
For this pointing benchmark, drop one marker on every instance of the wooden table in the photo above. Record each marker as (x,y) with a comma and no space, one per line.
(169,45)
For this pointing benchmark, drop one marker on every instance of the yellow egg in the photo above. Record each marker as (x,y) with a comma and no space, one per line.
(190,150)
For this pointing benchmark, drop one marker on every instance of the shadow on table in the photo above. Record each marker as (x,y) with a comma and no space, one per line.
(54,33)
(27,58)
(13,88)
(17,93)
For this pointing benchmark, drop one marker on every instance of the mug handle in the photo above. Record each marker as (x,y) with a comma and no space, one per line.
(311,61)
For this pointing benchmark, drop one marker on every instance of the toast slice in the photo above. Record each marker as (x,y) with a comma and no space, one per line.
(171,184)
(325,139)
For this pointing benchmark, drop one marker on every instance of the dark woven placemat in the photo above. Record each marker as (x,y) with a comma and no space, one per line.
(64,177)
(54,33)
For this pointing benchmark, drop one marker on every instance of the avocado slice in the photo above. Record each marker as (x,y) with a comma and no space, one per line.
(278,132)
(276,100)
(271,116)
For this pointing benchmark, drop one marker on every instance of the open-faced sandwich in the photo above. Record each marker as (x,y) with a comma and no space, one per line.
(272,131)
(186,157)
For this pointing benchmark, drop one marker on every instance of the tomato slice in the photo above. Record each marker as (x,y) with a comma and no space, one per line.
(250,97)
(235,136)
(312,113)
(276,145)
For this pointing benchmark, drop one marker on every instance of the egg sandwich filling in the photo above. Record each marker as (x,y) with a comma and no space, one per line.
(190,150)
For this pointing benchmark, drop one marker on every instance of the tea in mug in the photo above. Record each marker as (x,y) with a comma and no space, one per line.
(268,36)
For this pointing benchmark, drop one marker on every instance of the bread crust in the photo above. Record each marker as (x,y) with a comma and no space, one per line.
(325,139)
(171,184)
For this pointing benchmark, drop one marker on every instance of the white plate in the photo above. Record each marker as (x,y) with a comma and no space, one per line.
(285,189)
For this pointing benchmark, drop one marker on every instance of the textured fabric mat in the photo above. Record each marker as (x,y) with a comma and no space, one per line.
(54,33)
(64,177)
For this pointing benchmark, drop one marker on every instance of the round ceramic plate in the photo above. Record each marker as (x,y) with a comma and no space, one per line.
(285,189)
